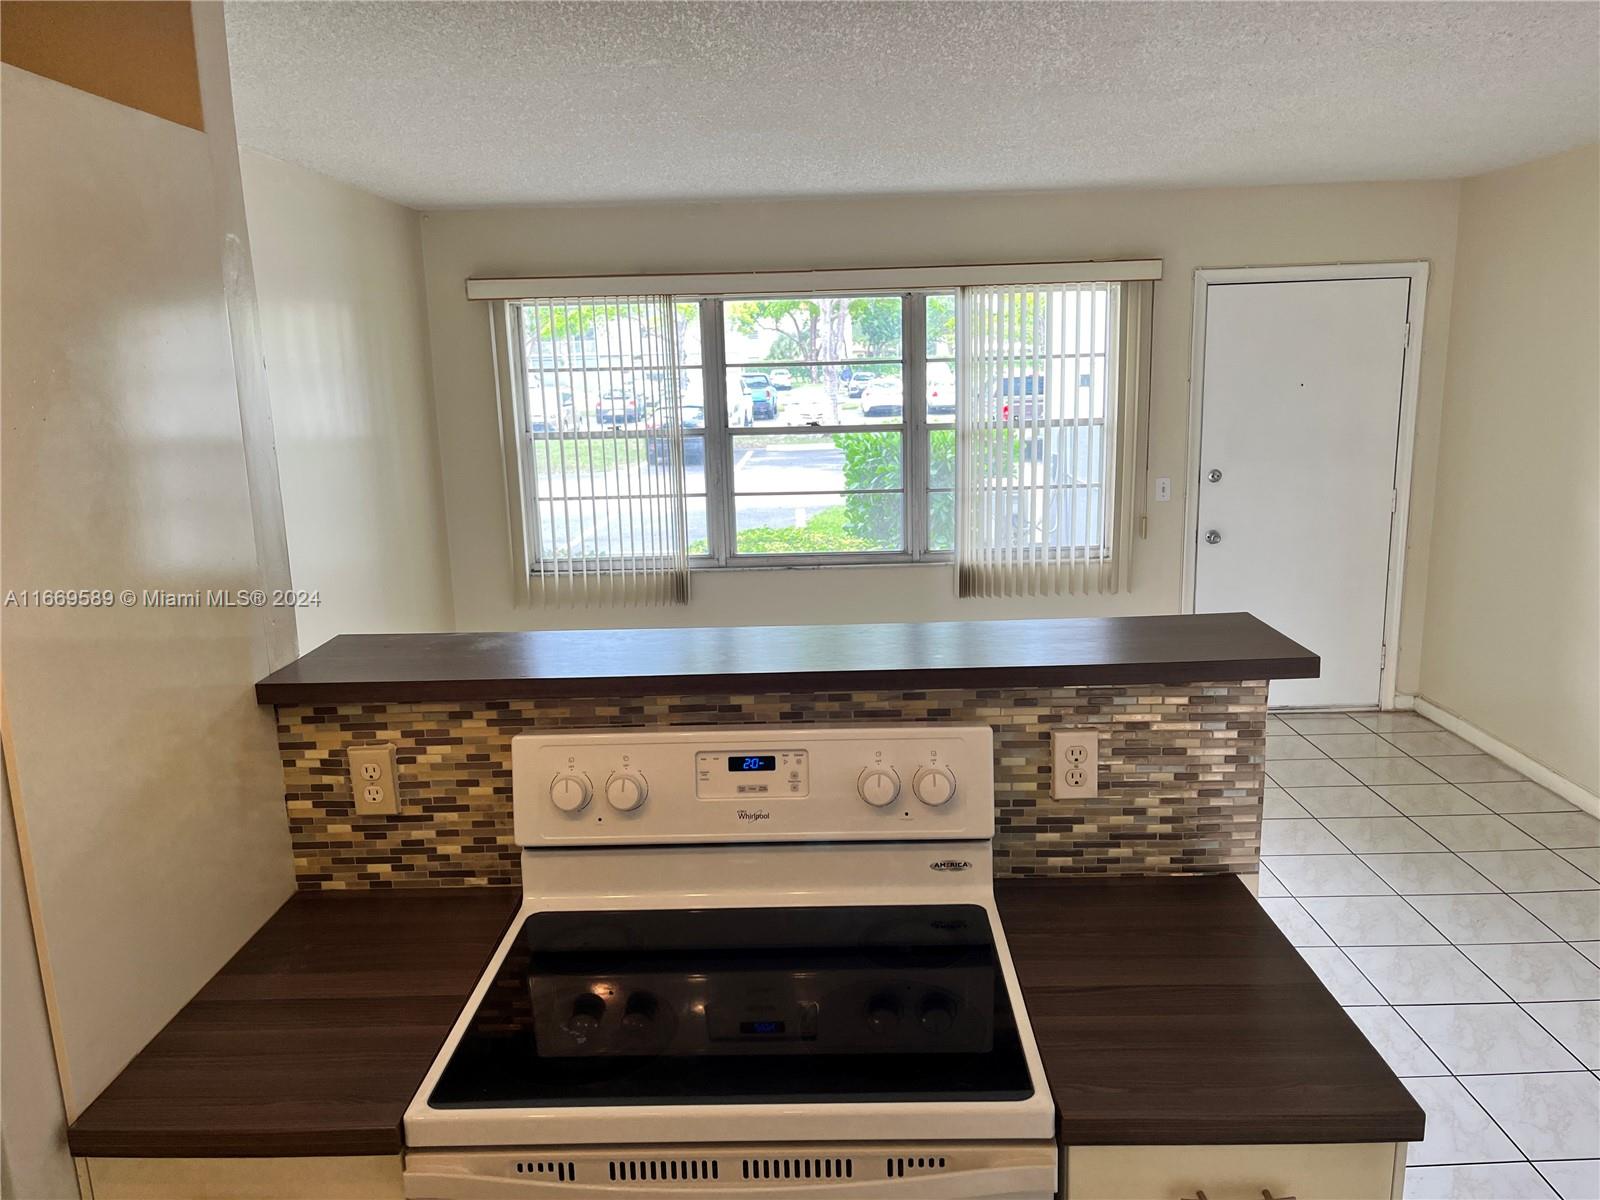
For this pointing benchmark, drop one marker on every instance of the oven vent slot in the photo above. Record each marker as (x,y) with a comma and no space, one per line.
(662,1170)
(896,1168)
(799,1168)
(563,1172)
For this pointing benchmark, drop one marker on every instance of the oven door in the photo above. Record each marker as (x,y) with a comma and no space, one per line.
(926,1171)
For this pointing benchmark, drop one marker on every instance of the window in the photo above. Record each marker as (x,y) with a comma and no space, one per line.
(816,427)
(655,434)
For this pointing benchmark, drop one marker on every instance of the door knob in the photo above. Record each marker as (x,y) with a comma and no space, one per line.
(1214,475)
(1212,537)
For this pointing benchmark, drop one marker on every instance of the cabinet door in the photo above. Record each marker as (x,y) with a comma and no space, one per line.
(1349,1171)
(376,1178)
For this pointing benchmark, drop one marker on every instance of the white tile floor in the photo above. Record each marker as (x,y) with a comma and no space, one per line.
(1453,907)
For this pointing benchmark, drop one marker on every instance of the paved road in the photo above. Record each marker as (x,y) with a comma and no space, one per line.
(778,468)
(782,469)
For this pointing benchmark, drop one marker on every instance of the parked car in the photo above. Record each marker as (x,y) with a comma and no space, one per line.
(550,413)
(762,394)
(1021,397)
(658,449)
(782,379)
(883,398)
(941,390)
(856,382)
(616,407)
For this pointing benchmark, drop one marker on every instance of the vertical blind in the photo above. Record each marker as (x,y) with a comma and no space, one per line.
(1050,409)
(603,448)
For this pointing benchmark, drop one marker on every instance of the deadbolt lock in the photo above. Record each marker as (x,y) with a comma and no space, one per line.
(1214,475)
(1212,537)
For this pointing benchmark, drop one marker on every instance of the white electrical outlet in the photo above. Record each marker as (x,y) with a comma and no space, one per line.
(373,779)
(1074,763)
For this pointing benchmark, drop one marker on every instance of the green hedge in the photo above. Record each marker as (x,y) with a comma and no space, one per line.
(868,520)
(872,460)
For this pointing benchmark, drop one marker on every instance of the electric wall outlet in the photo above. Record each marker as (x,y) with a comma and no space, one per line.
(1074,763)
(373,779)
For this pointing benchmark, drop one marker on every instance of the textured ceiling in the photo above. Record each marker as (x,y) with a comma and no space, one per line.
(458,104)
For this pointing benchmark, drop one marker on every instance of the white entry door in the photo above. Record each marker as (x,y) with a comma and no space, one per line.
(1299,421)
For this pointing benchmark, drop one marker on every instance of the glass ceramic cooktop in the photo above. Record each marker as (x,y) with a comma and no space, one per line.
(744,1005)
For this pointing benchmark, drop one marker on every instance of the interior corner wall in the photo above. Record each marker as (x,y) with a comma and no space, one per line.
(1221,227)
(345,332)
(34,1161)
(146,776)
(1512,628)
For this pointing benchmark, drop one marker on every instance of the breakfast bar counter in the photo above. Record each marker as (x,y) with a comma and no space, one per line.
(604,663)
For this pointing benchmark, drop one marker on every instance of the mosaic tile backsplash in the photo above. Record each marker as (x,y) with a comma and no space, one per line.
(1181,774)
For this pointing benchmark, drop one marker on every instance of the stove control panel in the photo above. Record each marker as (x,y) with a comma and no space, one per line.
(751,773)
(926,1010)
(754,783)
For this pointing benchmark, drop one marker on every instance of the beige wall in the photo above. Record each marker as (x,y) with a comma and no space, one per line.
(1188,229)
(34,1161)
(345,330)
(1513,613)
(146,774)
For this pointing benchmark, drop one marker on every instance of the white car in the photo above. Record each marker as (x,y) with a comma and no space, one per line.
(782,379)
(941,390)
(883,398)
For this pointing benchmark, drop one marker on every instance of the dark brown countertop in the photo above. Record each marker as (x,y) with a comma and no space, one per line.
(368,668)
(313,1038)
(1168,1011)
(1173,1012)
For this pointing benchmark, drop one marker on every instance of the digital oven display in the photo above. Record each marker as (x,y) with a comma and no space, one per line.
(752,762)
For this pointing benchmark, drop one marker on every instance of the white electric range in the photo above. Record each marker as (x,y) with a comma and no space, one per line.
(750,962)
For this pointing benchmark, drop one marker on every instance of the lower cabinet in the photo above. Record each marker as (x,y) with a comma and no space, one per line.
(375,1178)
(1347,1171)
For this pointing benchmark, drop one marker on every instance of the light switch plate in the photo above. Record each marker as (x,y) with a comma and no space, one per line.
(1074,763)
(373,780)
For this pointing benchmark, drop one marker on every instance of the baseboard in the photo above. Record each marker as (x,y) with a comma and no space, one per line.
(1512,757)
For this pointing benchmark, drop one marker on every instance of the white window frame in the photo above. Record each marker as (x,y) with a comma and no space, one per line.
(711,291)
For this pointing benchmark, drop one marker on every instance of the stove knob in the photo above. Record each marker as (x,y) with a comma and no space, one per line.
(883,1014)
(569,793)
(626,792)
(587,1011)
(937,1014)
(934,785)
(878,786)
(640,1013)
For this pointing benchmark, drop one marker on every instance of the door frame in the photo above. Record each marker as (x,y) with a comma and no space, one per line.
(1405,446)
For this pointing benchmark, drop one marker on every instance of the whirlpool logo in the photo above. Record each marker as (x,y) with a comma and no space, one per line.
(754,814)
(950,864)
